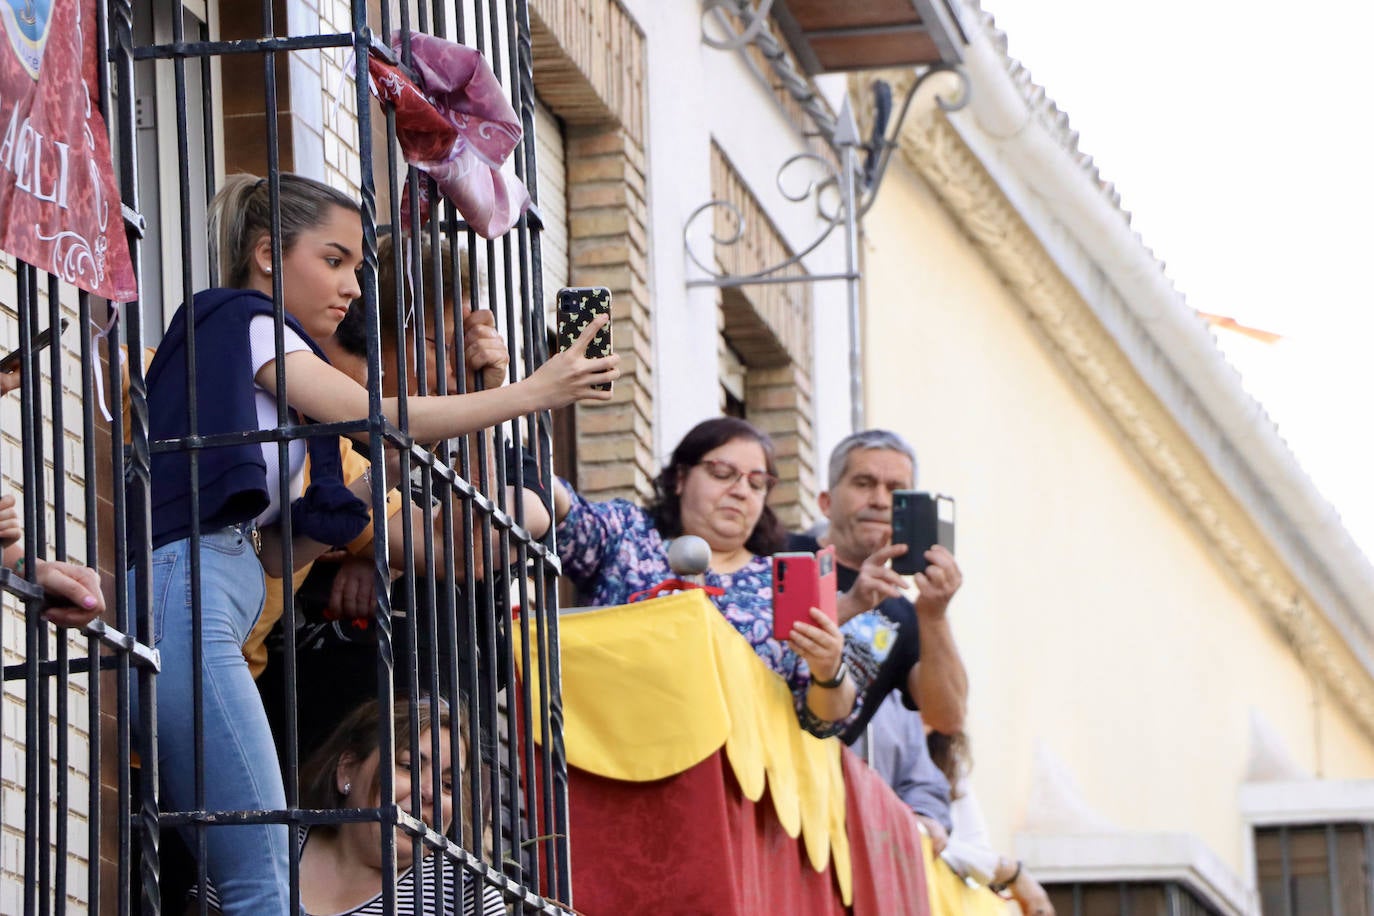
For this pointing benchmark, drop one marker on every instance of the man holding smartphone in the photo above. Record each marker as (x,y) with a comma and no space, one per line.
(891,643)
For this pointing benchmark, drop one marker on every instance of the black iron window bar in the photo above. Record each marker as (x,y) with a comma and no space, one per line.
(1297,864)
(516,788)
(1128,898)
(842,183)
(50,670)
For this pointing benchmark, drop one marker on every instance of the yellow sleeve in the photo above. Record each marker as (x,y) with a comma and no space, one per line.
(354,466)
(255,648)
(126,408)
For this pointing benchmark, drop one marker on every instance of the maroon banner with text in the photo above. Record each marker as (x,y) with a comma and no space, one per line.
(59,204)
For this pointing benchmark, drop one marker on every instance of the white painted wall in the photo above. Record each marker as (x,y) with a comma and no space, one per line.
(696,93)
(1094,620)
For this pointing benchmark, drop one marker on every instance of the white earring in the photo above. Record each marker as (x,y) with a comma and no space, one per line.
(267,270)
(348,787)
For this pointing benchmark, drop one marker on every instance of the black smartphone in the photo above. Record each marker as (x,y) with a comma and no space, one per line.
(10,361)
(577,306)
(920,521)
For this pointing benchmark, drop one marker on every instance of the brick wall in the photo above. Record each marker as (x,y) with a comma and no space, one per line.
(589,69)
(778,401)
(608,246)
(769,326)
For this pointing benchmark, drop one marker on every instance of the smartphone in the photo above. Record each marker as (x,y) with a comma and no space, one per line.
(802,581)
(10,361)
(920,521)
(577,306)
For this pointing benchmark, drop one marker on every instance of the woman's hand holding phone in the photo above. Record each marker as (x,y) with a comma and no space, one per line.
(569,376)
(578,306)
(820,644)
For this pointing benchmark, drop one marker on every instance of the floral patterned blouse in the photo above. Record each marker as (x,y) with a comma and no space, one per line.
(612,550)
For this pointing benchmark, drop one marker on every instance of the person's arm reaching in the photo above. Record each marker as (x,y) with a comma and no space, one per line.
(938,682)
(327,395)
(562,502)
(537,520)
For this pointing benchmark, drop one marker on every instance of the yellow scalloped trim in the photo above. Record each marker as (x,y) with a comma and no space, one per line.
(653,689)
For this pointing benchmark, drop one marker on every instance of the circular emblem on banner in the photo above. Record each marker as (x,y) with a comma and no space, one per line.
(27,23)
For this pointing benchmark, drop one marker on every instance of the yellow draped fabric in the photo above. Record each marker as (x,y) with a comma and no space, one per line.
(654,688)
(951,895)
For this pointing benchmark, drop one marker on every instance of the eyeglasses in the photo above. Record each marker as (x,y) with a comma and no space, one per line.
(725,472)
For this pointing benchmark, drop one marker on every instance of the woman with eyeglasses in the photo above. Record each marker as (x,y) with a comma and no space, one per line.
(716,487)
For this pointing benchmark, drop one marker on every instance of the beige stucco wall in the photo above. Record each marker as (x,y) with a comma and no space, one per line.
(1093,617)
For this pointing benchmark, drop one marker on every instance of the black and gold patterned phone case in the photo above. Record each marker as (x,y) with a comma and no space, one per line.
(577,306)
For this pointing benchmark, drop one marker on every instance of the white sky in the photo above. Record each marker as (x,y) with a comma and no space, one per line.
(1239,136)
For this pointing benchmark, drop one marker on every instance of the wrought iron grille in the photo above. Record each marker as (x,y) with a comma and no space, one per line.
(1315,868)
(1128,898)
(466,606)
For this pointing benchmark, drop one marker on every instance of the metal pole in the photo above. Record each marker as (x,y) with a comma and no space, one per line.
(847,140)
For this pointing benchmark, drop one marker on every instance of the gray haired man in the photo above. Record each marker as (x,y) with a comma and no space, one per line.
(891,643)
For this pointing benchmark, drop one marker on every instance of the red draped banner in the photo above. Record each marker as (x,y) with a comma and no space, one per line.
(694,844)
(59,205)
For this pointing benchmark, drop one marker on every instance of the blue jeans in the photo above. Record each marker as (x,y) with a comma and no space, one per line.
(248,864)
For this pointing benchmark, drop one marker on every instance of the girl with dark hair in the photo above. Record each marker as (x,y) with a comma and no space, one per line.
(716,487)
(234,390)
(341,868)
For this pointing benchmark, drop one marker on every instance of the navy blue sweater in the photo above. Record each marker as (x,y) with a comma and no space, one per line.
(233,478)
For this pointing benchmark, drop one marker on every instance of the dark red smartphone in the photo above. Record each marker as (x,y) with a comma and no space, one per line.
(577,307)
(802,581)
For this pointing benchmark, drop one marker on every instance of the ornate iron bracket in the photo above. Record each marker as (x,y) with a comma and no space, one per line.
(737,39)
(813,188)
(843,190)
(841,134)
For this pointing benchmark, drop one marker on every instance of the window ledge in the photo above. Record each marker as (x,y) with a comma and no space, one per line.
(1307,801)
(1147,857)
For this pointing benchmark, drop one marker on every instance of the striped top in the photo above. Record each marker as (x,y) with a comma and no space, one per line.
(492,904)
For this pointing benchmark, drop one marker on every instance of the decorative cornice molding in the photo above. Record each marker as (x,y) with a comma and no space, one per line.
(1073,331)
